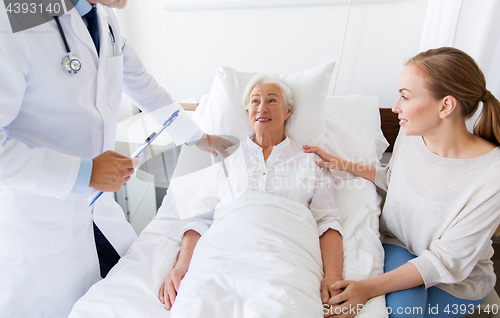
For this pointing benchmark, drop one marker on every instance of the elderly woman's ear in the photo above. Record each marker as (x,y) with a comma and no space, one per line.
(288,113)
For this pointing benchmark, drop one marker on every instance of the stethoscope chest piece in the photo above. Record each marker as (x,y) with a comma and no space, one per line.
(71,65)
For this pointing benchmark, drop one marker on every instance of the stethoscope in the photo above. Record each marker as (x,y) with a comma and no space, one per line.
(70,64)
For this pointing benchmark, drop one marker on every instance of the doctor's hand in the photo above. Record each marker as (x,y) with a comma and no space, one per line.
(110,170)
(169,289)
(214,145)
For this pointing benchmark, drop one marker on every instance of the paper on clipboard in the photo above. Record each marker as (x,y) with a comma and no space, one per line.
(182,128)
(135,129)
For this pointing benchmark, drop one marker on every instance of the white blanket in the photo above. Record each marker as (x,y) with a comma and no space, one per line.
(131,288)
(260,258)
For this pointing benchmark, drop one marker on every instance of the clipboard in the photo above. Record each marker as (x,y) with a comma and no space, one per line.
(146,143)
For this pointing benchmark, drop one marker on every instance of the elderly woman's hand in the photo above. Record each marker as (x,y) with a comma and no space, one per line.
(168,290)
(214,145)
(327,292)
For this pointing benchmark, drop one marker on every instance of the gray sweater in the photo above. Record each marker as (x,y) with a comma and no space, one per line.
(444,211)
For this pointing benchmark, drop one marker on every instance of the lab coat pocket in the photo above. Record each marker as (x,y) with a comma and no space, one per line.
(34,225)
(113,70)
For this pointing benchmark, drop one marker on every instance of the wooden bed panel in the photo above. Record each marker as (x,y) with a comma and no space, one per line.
(390,126)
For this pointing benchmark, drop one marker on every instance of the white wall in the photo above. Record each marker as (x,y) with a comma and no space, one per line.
(183,48)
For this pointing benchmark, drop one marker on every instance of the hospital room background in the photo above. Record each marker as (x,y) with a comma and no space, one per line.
(182,42)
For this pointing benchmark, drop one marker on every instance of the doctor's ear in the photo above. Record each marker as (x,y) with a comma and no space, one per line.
(448,105)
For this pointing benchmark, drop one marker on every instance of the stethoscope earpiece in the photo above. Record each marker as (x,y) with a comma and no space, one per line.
(71,65)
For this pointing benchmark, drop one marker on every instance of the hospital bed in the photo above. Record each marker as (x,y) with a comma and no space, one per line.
(346,126)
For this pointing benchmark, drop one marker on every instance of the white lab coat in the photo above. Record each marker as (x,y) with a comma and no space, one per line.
(48,121)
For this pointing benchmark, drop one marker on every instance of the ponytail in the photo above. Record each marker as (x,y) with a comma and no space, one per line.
(488,125)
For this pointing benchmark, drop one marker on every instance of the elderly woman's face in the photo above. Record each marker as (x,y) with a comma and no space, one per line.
(267,110)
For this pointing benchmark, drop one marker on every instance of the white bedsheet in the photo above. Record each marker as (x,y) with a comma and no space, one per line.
(131,288)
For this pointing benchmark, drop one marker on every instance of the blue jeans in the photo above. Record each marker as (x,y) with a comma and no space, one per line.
(419,302)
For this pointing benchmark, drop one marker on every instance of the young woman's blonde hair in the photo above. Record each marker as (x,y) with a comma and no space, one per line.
(452,72)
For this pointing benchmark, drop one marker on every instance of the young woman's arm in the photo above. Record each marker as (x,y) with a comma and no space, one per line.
(354,294)
(359,170)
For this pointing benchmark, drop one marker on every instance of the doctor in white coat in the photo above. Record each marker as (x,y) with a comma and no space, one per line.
(56,133)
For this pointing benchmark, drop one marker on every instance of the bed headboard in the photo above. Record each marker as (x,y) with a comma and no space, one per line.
(390,126)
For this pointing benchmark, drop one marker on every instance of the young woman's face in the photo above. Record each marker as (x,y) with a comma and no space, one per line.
(267,110)
(417,109)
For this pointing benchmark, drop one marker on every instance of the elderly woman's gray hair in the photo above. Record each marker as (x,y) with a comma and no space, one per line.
(268,79)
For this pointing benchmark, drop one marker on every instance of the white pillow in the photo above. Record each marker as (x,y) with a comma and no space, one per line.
(353,128)
(353,133)
(224,114)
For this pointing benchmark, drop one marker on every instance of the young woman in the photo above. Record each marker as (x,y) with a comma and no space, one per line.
(443,193)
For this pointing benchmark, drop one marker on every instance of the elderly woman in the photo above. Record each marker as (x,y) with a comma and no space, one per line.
(281,189)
